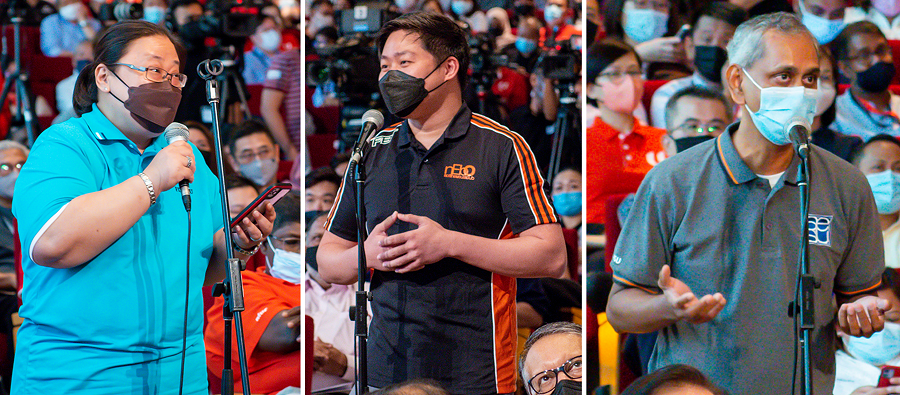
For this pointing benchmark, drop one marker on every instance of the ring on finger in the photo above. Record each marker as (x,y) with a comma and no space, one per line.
(190,161)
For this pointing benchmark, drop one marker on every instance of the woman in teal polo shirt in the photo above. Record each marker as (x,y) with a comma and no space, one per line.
(104,232)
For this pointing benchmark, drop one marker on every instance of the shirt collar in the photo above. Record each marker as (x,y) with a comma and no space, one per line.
(457,128)
(101,127)
(610,133)
(735,168)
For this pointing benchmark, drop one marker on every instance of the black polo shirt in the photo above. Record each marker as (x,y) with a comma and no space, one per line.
(449,321)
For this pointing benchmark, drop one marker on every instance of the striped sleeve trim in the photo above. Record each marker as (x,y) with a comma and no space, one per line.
(857,292)
(531,176)
(631,284)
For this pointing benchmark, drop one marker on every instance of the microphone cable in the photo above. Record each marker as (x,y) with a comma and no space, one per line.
(187,293)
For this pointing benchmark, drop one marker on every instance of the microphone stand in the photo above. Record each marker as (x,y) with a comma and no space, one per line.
(231,287)
(802,308)
(359,313)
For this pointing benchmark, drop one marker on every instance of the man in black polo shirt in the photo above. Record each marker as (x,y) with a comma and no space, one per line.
(445,189)
(708,254)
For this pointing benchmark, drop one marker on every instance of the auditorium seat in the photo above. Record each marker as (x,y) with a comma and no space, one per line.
(613,227)
(650,87)
(254,95)
(310,335)
(31,42)
(326,119)
(895,50)
(321,149)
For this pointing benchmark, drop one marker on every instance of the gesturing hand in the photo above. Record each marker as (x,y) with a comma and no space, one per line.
(170,165)
(684,304)
(329,360)
(412,250)
(864,316)
(373,242)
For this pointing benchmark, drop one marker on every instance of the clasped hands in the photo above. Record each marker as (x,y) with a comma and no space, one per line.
(408,251)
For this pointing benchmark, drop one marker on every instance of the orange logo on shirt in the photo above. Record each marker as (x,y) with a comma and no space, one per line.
(460,171)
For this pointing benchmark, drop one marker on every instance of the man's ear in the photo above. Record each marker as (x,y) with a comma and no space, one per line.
(451,68)
(734,78)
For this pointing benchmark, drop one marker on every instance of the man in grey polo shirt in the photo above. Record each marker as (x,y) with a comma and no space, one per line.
(708,253)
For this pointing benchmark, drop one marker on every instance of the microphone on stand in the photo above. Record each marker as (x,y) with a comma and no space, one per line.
(798,130)
(178,132)
(372,121)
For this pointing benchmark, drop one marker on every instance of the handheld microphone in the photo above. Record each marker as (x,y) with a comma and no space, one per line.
(178,132)
(372,122)
(798,131)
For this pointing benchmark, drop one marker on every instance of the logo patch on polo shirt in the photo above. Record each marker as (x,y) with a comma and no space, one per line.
(382,139)
(819,229)
(460,171)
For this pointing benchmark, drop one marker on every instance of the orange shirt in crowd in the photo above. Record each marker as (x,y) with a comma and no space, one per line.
(617,162)
(264,296)
(565,33)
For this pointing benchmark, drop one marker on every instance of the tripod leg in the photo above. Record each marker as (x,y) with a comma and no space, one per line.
(242,94)
(27,107)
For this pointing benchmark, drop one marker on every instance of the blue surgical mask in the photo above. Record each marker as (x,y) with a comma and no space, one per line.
(270,40)
(824,30)
(878,349)
(567,203)
(778,106)
(552,13)
(286,265)
(154,14)
(643,25)
(461,7)
(886,189)
(525,46)
(260,171)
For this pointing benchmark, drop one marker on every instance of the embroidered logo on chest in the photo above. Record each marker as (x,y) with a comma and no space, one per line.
(460,171)
(383,139)
(819,229)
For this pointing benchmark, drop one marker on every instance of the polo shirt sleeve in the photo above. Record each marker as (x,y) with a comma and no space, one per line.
(524,193)
(262,303)
(645,243)
(863,262)
(278,69)
(59,169)
(341,219)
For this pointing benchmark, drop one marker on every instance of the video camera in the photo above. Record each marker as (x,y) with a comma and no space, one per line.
(365,18)
(482,59)
(227,19)
(562,60)
(120,10)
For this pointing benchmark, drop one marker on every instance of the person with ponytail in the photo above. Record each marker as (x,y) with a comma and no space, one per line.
(103,232)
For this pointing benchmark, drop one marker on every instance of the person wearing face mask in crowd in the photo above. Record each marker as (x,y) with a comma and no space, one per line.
(823,18)
(879,160)
(320,14)
(432,6)
(708,254)
(96,204)
(551,361)
(524,52)
(84,54)
(705,48)
(567,196)
(533,119)
(823,135)
(62,32)
(266,42)
(329,306)
(272,300)
(499,27)
(425,287)
(867,108)
(254,154)
(12,157)
(620,150)
(34,12)
(155,11)
(694,115)
(468,13)
(859,360)
(558,28)
(649,27)
(883,13)
(407,6)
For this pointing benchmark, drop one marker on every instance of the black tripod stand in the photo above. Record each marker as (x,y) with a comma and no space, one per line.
(567,119)
(229,79)
(25,113)
(231,287)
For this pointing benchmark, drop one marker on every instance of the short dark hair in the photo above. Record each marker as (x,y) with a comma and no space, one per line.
(890,279)
(671,375)
(322,174)
(841,43)
(439,35)
(603,53)
(316,3)
(338,158)
(246,128)
(312,216)
(425,386)
(553,328)
(723,11)
(288,210)
(857,153)
(237,181)
(109,49)
(830,114)
(698,92)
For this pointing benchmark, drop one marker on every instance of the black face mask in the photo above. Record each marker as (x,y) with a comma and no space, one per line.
(152,105)
(311,257)
(496,31)
(876,78)
(402,92)
(687,142)
(709,61)
(567,387)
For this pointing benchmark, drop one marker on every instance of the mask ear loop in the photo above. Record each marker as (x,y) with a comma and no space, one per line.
(432,72)
(120,80)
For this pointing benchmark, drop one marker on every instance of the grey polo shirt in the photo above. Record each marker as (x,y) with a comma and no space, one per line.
(721,228)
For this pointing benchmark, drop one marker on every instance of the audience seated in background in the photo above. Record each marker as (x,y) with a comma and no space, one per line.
(867,108)
(567,194)
(241,193)
(65,89)
(329,306)
(694,115)
(468,14)
(272,304)
(339,163)
(524,52)
(266,42)
(879,160)
(155,11)
(12,156)
(859,360)
(200,136)
(62,32)
(321,14)
(284,88)
(551,360)
(823,18)
(883,13)
(321,189)
(650,27)
(557,14)
(673,380)
(253,153)
(837,143)
(34,11)
(413,387)
(711,31)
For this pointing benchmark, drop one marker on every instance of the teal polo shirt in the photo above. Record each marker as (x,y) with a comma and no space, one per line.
(112,325)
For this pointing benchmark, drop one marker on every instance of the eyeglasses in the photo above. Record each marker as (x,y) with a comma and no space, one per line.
(617,76)
(695,129)
(291,244)
(865,56)
(248,155)
(545,381)
(155,74)
(6,168)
